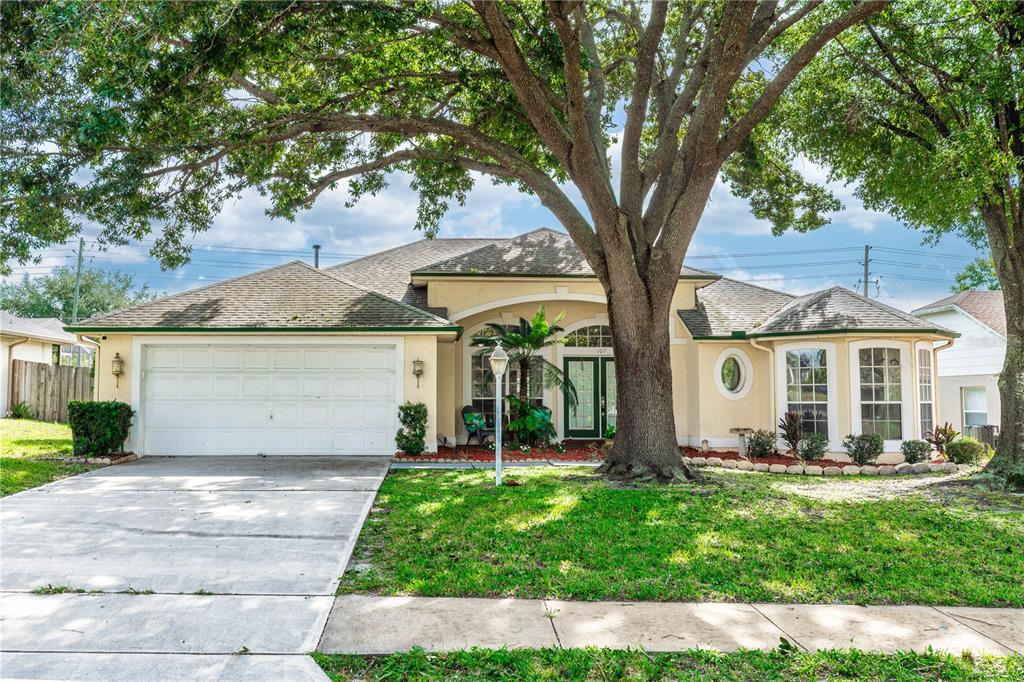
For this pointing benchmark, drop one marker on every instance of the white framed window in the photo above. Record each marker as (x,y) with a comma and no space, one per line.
(592,336)
(975,403)
(806,384)
(925,390)
(734,373)
(807,387)
(881,390)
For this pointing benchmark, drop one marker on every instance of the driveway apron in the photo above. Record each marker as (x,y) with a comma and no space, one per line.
(175,568)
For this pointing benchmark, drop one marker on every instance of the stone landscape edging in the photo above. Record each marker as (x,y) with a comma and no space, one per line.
(795,469)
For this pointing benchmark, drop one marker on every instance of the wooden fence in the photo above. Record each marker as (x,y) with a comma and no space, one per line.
(48,388)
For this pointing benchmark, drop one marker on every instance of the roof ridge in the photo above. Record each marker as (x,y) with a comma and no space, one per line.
(186,291)
(417,241)
(420,311)
(910,317)
(748,284)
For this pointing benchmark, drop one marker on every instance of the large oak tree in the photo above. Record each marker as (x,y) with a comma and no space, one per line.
(138,114)
(924,108)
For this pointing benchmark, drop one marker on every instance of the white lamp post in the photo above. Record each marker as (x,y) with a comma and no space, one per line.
(499,362)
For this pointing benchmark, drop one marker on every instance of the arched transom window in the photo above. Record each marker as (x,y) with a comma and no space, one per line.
(594,336)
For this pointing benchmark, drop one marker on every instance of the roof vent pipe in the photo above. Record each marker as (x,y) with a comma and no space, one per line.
(316,255)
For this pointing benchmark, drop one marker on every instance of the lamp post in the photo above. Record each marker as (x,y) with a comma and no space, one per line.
(499,362)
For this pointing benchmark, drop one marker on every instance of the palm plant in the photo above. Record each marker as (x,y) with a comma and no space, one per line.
(523,343)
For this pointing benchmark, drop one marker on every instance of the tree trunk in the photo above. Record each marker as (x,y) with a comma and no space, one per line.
(1008,257)
(645,439)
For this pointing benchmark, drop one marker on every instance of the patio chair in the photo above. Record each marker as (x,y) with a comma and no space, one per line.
(476,424)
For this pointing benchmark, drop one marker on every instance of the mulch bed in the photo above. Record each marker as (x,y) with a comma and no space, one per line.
(778,459)
(587,451)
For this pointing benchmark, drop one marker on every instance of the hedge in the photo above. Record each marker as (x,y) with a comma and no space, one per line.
(99,428)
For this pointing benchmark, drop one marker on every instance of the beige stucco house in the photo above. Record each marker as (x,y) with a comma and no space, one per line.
(295,360)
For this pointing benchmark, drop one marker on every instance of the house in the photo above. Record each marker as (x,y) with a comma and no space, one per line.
(295,360)
(34,339)
(969,372)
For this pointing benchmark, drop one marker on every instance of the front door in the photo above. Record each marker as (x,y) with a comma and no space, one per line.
(594,379)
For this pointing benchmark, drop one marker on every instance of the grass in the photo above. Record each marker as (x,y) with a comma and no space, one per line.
(607,665)
(22,443)
(568,534)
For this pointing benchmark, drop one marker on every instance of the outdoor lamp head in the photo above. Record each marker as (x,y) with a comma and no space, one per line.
(117,365)
(499,361)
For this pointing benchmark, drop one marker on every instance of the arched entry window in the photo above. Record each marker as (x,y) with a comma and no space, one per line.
(594,336)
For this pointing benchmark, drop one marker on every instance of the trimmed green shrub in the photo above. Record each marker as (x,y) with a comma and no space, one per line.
(865,448)
(813,446)
(99,429)
(915,451)
(411,438)
(966,450)
(761,443)
(610,431)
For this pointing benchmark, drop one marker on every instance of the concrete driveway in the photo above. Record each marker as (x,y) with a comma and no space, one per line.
(172,567)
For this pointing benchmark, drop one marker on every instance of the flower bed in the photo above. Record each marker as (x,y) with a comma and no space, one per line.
(574,452)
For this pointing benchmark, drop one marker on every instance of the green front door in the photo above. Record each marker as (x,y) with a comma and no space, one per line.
(594,379)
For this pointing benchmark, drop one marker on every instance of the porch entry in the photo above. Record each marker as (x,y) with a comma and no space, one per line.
(594,379)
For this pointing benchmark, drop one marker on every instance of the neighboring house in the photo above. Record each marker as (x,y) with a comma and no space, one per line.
(969,372)
(34,339)
(294,360)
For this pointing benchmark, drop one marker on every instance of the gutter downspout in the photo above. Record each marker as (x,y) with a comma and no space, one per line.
(85,340)
(935,380)
(771,377)
(10,374)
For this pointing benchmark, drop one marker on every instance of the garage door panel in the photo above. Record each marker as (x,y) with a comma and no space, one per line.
(227,358)
(196,358)
(287,358)
(377,415)
(347,416)
(165,357)
(316,387)
(382,359)
(158,387)
(227,386)
(287,385)
(248,399)
(257,386)
(256,358)
(316,415)
(348,385)
(196,386)
(378,386)
(286,414)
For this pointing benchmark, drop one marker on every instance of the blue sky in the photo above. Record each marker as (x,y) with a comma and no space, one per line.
(729,240)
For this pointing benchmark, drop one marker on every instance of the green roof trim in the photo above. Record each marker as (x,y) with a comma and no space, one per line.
(248,330)
(819,332)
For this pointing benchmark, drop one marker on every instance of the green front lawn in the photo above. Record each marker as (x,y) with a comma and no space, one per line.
(566,533)
(606,665)
(22,442)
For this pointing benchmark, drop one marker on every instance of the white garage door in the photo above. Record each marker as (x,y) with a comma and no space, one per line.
(271,400)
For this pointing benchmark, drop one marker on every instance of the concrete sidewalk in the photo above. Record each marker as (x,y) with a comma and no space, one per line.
(378,625)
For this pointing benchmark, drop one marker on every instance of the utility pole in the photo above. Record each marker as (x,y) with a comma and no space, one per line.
(74,308)
(316,256)
(867,268)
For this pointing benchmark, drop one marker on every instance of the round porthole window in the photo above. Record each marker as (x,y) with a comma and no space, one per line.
(733,373)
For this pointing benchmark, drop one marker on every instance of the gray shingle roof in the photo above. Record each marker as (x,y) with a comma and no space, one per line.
(290,296)
(44,328)
(728,306)
(387,272)
(540,253)
(985,306)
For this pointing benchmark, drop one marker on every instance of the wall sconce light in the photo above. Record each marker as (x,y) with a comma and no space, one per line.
(117,368)
(417,371)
